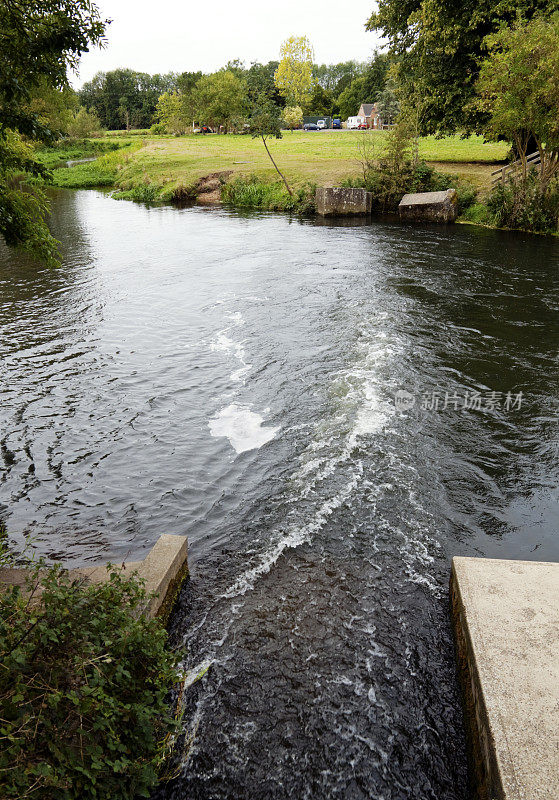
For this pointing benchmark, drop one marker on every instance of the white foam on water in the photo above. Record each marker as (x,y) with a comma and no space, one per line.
(242,427)
(223,343)
(296,536)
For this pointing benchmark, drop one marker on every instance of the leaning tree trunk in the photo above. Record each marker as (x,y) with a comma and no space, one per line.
(277,168)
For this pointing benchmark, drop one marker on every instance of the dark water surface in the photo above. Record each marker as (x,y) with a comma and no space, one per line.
(232,379)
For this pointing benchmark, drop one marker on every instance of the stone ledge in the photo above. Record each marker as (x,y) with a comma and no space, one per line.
(429,206)
(506,618)
(163,571)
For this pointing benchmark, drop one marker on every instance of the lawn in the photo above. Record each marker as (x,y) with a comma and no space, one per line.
(317,157)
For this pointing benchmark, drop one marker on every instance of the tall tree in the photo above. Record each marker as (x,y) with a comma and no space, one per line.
(320,101)
(260,82)
(39,41)
(292,117)
(440,48)
(519,88)
(294,76)
(219,99)
(367,86)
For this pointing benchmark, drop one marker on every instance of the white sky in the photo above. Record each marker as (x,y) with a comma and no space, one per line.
(175,36)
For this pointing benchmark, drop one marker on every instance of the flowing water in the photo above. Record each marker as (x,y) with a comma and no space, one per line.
(232,379)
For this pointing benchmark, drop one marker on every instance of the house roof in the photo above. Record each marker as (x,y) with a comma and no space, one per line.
(368,108)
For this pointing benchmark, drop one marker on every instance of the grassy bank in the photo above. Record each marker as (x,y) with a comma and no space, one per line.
(314,157)
(103,171)
(163,168)
(72,150)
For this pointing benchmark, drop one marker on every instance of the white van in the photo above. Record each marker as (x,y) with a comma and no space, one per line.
(353,123)
(321,124)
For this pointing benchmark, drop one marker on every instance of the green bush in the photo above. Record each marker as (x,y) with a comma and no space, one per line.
(144,193)
(523,203)
(479,214)
(389,182)
(83,687)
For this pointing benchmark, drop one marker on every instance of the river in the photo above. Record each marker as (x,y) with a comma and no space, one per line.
(232,378)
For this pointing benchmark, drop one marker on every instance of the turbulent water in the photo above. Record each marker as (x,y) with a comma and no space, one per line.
(233,379)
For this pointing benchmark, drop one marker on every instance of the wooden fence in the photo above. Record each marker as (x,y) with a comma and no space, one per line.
(510,170)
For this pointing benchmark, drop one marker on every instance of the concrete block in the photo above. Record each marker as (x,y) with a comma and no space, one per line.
(338,201)
(506,619)
(163,571)
(429,206)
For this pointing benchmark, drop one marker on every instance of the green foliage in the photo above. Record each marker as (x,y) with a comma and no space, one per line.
(144,193)
(366,86)
(186,82)
(73,149)
(518,87)
(336,77)
(220,98)
(124,98)
(523,203)
(83,123)
(293,77)
(256,194)
(83,688)
(293,117)
(440,47)
(393,173)
(320,101)
(388,105)
(101,172)
(55,108)
(171,114)
(479,214)
(39,41)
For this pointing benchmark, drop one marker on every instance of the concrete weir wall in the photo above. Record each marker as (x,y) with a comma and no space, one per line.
(339,201)
(506,619)
(429,206)
(163,571)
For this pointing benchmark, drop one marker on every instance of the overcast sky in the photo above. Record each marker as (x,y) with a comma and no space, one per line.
(173,36)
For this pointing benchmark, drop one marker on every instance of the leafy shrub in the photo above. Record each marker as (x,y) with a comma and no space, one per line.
(83,686)
(84,123)
(388,185)
(143,193)
(479,214)
(523,203)
(392,173)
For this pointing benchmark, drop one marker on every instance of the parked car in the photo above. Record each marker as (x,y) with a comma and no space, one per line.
(336,123)
(205,129)
(321,124)
(310,126)
(363,126)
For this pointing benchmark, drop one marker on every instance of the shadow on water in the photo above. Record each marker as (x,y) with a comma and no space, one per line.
(231,377)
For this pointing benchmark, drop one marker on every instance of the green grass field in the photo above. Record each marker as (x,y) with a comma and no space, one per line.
(315,157)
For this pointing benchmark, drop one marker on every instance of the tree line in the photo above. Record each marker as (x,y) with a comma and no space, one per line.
(125,99)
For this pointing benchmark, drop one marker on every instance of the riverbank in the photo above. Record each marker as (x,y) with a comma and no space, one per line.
(161,168)
(151,168)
